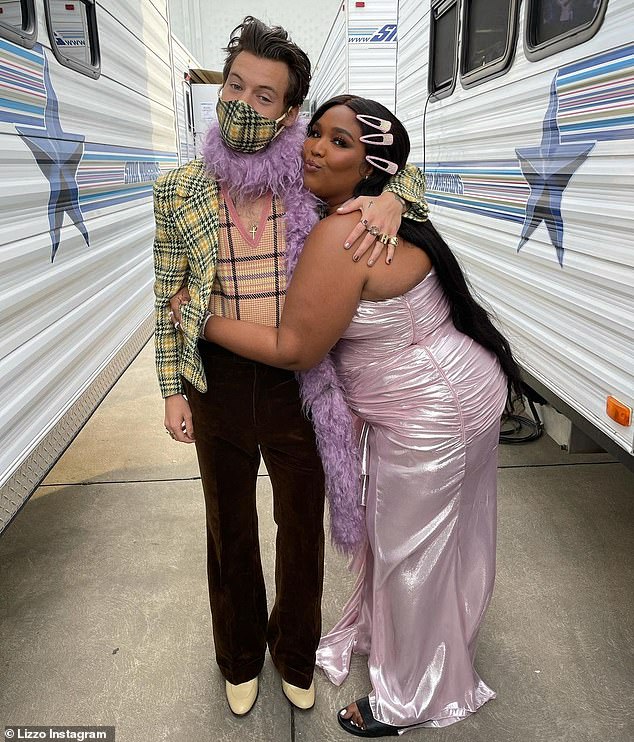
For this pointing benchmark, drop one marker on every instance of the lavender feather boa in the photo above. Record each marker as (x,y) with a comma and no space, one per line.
(278,169)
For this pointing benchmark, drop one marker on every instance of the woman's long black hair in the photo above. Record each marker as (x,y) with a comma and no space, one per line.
(467,314)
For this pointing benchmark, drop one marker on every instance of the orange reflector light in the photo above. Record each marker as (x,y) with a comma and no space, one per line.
(619,412)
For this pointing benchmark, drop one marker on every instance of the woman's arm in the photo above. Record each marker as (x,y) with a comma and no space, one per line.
(320,302)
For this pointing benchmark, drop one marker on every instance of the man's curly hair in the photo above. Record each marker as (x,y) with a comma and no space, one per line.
(271,42)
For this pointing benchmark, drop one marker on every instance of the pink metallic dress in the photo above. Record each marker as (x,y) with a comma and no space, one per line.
(431,398)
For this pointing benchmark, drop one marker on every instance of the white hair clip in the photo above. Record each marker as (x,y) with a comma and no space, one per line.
(377,139)
(385,165)
(375,122)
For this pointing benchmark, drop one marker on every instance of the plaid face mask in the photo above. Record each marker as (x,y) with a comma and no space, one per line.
(243,129)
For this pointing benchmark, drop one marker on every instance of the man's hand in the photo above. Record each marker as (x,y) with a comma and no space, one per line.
(178,419)
(380,216)
(181,297)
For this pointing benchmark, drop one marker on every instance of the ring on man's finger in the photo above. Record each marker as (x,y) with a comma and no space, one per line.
(374,231)
(387,239)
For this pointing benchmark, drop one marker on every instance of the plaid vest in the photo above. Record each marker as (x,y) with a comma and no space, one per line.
(250,281)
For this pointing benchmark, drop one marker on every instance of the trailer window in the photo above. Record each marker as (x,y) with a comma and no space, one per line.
(442,47)
(17,21)
(488,38)
(72,29)
(553,25)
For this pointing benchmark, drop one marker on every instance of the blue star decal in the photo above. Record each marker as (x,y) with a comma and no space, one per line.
(58,154)
(548,169)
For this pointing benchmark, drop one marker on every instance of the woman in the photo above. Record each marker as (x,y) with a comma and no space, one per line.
(426,370)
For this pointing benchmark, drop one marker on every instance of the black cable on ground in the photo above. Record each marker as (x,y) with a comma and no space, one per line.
(519,429)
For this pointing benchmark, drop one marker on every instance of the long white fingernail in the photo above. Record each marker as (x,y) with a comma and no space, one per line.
(343,712)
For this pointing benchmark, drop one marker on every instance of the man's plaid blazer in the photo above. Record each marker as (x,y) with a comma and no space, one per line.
(185,249)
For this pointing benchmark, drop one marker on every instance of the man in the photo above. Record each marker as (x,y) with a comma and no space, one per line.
(222,226)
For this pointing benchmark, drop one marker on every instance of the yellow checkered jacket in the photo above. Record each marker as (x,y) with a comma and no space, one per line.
(186,248)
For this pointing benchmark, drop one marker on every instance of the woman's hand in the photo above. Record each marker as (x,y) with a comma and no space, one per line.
(181,297)
(178,419)
(381,219)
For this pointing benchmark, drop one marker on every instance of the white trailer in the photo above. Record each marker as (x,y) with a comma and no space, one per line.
(359,55)
(528,150)
(87,123)
(182,63)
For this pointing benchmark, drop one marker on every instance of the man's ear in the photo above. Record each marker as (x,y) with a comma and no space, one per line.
(291,116)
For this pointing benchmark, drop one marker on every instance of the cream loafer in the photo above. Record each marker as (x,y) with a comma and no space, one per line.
(303,698)
(241,697)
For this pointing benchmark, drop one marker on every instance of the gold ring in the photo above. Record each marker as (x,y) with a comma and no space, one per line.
(387,239)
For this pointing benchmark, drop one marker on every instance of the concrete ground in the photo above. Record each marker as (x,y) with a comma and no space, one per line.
(104,616)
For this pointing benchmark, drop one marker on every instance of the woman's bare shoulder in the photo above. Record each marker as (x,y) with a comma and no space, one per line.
(335,228)
(335,223)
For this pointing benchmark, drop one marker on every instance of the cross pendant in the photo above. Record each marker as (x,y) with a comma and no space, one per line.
(253,231)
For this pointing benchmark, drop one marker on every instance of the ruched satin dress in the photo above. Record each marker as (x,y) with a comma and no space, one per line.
(431,399)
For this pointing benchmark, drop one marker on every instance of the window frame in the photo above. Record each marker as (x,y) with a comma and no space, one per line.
(437,94)
(23,36)
(499,66)
(579,35)
(91,70)
(188,104)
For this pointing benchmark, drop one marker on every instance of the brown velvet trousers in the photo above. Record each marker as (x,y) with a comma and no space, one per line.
(251,408)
